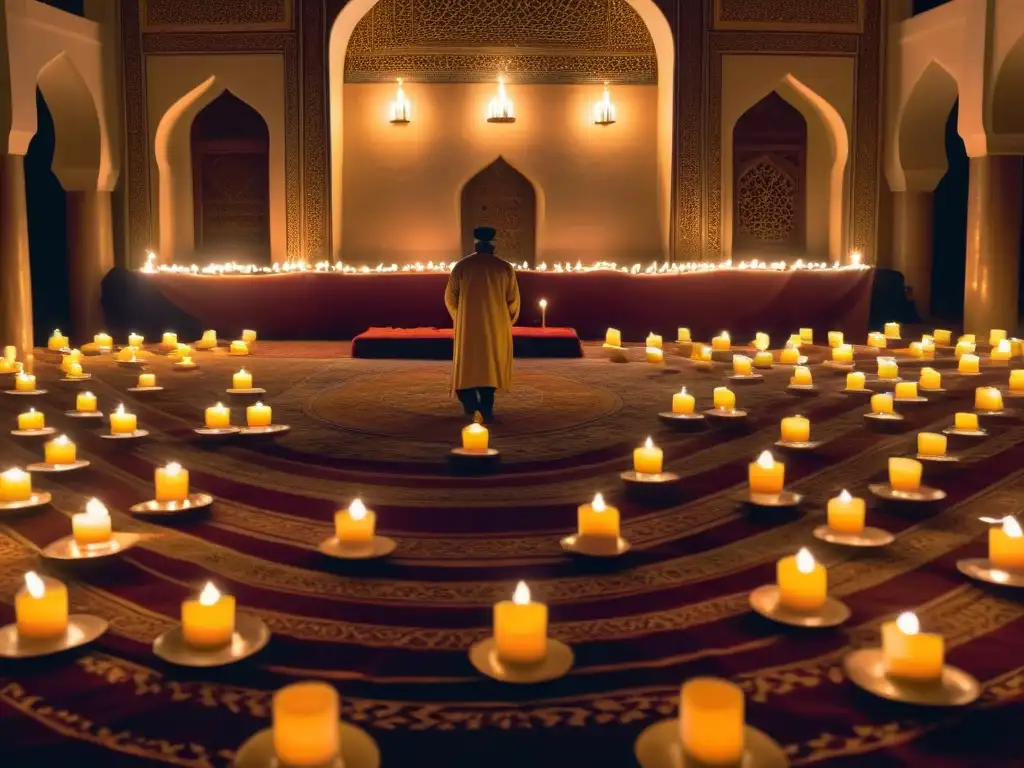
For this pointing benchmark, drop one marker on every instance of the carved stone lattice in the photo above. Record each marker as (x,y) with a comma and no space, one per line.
(766,198)
(499,196)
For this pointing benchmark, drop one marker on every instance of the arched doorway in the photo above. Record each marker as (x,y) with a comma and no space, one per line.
(499,196)
(231,181)
(770,179)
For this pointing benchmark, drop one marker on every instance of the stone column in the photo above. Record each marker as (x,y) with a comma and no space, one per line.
(90,256)
(15,273)
(912,244)
(993,244)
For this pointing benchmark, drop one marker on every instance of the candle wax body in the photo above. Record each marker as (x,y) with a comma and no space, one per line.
(796,429)
(969,364)
(892,330)
(931,444)
(887,369)
(122,423)
(846,516)
(521,631)
(807,335)
(802,376)
(800,591)
(904,474)
(995,336)
(147,379)
(763,360)
(930,379)
(598,524)
(24,383)
(239,348)
(90,529)
(767,480)
(876,340)
(135,340)
(1017,380)
(16,489)
(613,337)
(711,721)
(475,439)
(58,342)
(45,617)
(855,380)
(170,487)
(31,420)
(305,730)
(914,657)
(988,399)
(789,356)
(966,421)
(241,380)
(258,416)
(835,338)
(208,626)
(654,340)
(881,404)
(218,418)
(682,403)
(647,461)
(906,390)
(741,365)
(59,452)
(75,371)
(721,343)
(725,399)
(170,340)
(1006,552)
(842,354)
(942,336)
(350,530)
(249,337)
(655,356)
(683,335)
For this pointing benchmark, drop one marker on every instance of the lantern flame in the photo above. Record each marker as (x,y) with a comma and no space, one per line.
(522,594)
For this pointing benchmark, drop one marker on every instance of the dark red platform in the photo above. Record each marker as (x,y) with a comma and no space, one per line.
(437,343)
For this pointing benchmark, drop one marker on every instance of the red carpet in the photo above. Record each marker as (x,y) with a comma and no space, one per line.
(437,343)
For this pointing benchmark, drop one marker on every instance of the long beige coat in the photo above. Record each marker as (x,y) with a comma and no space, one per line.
(483,300)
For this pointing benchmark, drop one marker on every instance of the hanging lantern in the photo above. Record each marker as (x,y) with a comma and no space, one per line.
(500,110)
(604,110)
(400,108)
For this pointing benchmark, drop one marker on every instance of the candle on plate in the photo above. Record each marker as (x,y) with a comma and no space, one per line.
(654,340)
(356,524)
(969,364)
(58,341)
(521,628)
(258,415)
(208,620)
(1001,352)
(988,399)
(763,359)
(25,382)
(305,725)
(877,340)
(682,402)
(996,337)
(942,336)
(239,348)
(475,437)
(741,365)
(1006,544)
(218,417)
(208,341)
(648,458)
(963,348)
(892,330)
(931,444)
(930,379)
(794,340)
(711,721)
(655,355)
(171,482)
(170,339)
(60,450)
(15,485)
(92,526)
(796,429)
(241,380)
(761,341)
(904,474)
(147,380)
(855,380)
(683,336)
(41,608)
(75,371)
(135,340)
(842,353)
(597,519)
(887,368)
(613,338)
(790,355)
(724,399)
(909,653)
(967,422)
(846,513)
(1017,380)
(906,390)
(103,340)
(122,422)
(807,335)
(803,583)
(801,377)
(766,476)
(704,353)
(916,349)
(881,404)
(722,342)
(31,419)
(186,362)
(249,337)
(9,366)
(835,339)
(74,356)
(127,354)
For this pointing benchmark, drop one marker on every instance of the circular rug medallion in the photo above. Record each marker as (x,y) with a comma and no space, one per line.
(416,403)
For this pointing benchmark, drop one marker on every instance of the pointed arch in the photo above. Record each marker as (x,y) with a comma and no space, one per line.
(921,130)
(1007,105)
(78,136)
(502,197)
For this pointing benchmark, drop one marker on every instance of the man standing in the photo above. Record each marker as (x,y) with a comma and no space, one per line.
(483,300)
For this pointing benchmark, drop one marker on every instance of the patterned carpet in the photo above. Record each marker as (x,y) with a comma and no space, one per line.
(393,635)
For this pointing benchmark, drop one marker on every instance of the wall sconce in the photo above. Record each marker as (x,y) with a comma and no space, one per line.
(500,109)
(604,110)
(400,108)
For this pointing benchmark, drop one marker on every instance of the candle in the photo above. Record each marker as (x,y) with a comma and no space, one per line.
(126,354)
(790,355)
(74,356)
(147,380)
(835,339)
(766,476)
(763,359)
(305,725)
(704,353)
(988,399)
(683,336)
(877,340)
(722,342)
(887,368)
(521,628)
(218,417)
(186,362)
(906,390)
(597,519)
(807,335)
(892,330)
(1017,380)
(909,653)
(15,485)
(208,341)
(942,336)
(258,415)
(92,526)
(647,459)
(249,337)
(75,371)
(654,340)
(801,376)
(171,482)
(964,348)
(855,380)
(241,380)
(966,421)
(881,404)
(208,621)
(41,608)
(682,402)
(9,366)
(796,429)
(904,474)
(25,382)
(102,340)
(135,340)
(239,348)
(1006,544)
(170,340)
(355,525)
(761,341)
(846,513)
(741,365)
(968,338)
(930,379)
(1001,352)
(58,341)
(803,583)
(10,353)
(31,419)
(996,337)
(122,422)
(916,349)
(794,340)
(697,351)
(842,353)
(711,721)
(59,451)
(931,444)
(969,364)
(475,438)
(655,355)
(724,399)
(613,338)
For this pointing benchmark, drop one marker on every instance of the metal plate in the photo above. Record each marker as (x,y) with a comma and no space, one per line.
(868,537)
(251,636)
(660,746)
(379,546)
(82,629)
(982,570)
(955,688)
(925,494)
(173,508)
(44,467)
(594,546)
(358,750)
(766,601)
(37,499)
(556,663)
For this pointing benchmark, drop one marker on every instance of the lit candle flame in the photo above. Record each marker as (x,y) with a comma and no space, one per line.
(598,504)
(173,469)
(14,475)
(845,496)
(682,391)
(242,372)
(56,332)
(765,460)
(725,335)
(120,409)
(475,428)
(805,561)
(62,440)
(219,406)
(908,623)
(259,404)
(522,594)
(1010,525)
(543,303)
(210,595)
(34,585)
(357,510)
(1003,346)
(31,410)
(649,443)
(95,509)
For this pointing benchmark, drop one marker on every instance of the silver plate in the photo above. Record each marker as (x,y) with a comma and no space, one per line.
(379,546)
(82,629)
(83,414)
(30,393)
(869,537)
(358,750)
(251,636)
(131,363)
(34,432)
(216,431)
(944,459)
(127,435)
(273,429)
(734,414)
(883,416)
(901,400)
(874,378)
(44,467)
(145,389)
(866,669)
(773,500)
(930,391)
(751,379)
(1005,413)
(803,389)
(251,391)
(885,491)
(595,546)
(660,746)
(76,379)
(66,549)
(961,373)
(672,417)
(800,445)
(466,453)
(172,508)
(556,663)
(649,479)
(766,601)
(981,568)
(864,391)
(37,499)
(965,432)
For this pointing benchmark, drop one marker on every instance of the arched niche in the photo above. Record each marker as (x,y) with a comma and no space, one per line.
(1007,104)
(78,146)
(230,144)
(921,131)
(501,197)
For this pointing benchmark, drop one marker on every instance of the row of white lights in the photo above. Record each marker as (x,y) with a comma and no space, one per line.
(500,109)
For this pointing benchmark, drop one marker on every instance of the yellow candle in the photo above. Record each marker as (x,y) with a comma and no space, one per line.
(711,721)
(127,354)
(988,399)
(930,379)
(597,519)
(170,340)
(682,402)
(807,335)
(75,371)
(31,419)
(305,725)
(147,379)
(942,336)
(613,337)
(25,382)
(655,355)
(722,342)
(218,417)
(789,356)
(59,451)
(697,351)
(208,621)
(892,330)
(916,349)
(10,353)
(794,340)
(835,339)
(241,380)
(877,340)
(966,421)
(683,336)
(239,348)
(1001,352)
(969,338)
(208,341)
(796,429)
(1006,545)
(766,476)
(92,526)
(881,404)
(763,359)
(654,340)
(906,390)
(968,364)
(801,376)
(171,482)
(803,583)
(74,356)
(258,415)
(842,353)
(9,366)
(741,365)
(931,444)
(249,337)
(996,337)
(855,380)
(41,608)
(15,485)
(846,513)
(647,459)
(355,525)
(724,399)
(761,341)
(58,341)
(102,340)
(521,628)
(122,422)
(135,340)
(887,368)
(704,353)
(1017,380)
(909,653)
(964,348)
(904,474)
(475,437)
